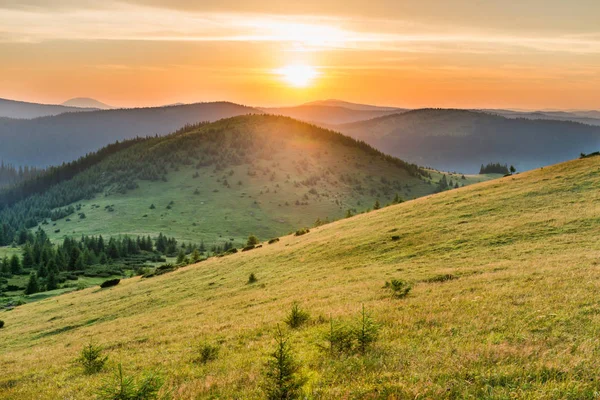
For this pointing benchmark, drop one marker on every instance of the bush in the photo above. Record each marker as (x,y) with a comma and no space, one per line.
(282,375)
(252,278)
(296,317)
(302,231)
(207,352)
(110,283)
(441,278)
(91,359)
(400,288)
(249,247)
(252,241)
(274,240)
(340,338)
(122,387)
(1,324)
(344,338)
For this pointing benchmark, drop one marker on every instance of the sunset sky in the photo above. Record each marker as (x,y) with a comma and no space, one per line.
(426,53)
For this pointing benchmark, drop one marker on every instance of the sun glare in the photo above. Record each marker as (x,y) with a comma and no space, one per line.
(298,75)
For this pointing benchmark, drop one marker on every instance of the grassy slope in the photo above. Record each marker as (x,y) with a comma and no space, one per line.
(264,204)
(521,320)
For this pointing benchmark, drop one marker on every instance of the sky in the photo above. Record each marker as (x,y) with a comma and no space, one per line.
(526,54)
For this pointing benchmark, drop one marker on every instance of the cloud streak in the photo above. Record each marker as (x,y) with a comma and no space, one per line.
(126,22)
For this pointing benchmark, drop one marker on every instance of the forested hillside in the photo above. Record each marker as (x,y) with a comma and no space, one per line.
(53,140)
(460,140)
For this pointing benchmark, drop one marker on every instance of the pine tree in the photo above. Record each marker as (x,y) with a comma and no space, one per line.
(195,256)
(5,266)
(377,206)
(51,283)
(283,380)
(15,265)
(28,260)
(33,285)
(180,256)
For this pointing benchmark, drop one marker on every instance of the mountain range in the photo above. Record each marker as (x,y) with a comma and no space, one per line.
(443,139)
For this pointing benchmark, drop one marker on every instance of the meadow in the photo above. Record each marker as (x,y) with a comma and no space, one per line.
(504,304)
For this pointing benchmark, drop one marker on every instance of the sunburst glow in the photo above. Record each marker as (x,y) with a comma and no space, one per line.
(298,75)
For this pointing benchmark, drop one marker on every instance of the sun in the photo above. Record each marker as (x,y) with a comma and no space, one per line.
(298,75)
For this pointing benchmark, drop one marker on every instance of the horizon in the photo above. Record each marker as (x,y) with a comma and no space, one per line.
(292,105)
(139,53)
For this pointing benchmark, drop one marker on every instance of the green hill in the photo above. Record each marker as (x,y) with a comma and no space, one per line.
(208,187)
(264,175)
(462,140)
(504,305)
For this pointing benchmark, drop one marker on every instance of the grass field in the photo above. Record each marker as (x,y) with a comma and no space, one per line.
(519,319)
(217,214)
(297,174)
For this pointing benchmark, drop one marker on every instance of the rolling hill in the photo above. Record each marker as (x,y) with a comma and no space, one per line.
(461,140)
(352,106)
(24,110)
(53,140)
(584,117)
(258,174)
(86,102)
(331,113)
(504,304)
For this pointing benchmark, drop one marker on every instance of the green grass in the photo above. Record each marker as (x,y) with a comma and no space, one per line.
(520,319)
(269,196)
(7,251)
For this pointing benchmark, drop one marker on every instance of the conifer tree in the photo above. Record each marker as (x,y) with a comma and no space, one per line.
(51,283)
(33,285)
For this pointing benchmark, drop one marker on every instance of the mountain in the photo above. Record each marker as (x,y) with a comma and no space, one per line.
(589,118)
(24,110)
(352,106)
(326,114)
(502,273)
(215,182)
(86,102)
(461,140)
(66,137)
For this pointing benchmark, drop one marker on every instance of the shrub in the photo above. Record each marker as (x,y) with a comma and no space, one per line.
(400,288)
(1,324)
(302,231)
(296,317)
(252,241)
(122,387)
(344,338)
(441,278)
(91,359)
(110,283)
(207,352)
(282,375)
(249,247)
(274,240)
(340,338)
(395,238)
(252,278)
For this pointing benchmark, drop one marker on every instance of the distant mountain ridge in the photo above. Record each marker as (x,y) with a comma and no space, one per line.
(86,102)
(352,106)
(328,114)
(24,110)
(462,140)
(53,140)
